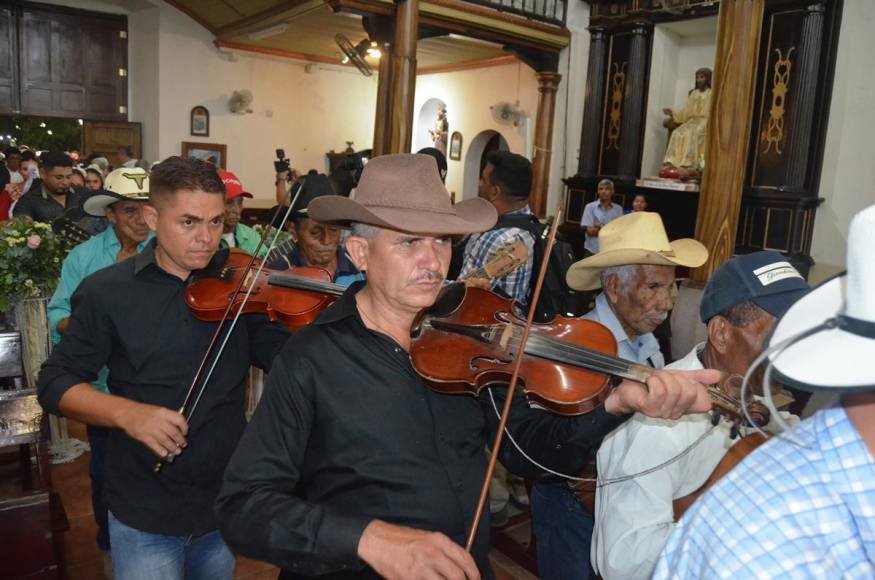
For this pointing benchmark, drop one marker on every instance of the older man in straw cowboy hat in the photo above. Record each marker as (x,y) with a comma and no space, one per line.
(802,505)
(635,266)
(352,467)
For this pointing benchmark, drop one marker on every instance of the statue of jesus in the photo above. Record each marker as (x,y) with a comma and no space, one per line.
(690,125)
(439,132)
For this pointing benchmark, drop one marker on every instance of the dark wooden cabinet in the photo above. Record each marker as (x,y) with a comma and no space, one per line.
(61,62)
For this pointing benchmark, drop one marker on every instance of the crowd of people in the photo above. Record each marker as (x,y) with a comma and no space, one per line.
(352,466)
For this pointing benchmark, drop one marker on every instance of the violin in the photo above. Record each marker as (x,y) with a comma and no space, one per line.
(295,305)
(471,338)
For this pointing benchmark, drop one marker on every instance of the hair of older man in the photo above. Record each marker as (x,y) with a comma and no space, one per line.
(362,230)
(742,314)
(607,182)
(625,274)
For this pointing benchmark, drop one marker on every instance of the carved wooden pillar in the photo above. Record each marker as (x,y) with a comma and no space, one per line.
(548,82)
(400,130)
(802,112)
(593,102)
(740,22)
(633,103)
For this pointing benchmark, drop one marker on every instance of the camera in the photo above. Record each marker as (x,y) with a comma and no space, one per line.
(282,162)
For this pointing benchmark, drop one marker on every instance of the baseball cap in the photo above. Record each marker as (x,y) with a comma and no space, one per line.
(765,278)
(233,187)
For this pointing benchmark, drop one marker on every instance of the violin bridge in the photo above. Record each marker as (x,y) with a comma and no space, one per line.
(506,335)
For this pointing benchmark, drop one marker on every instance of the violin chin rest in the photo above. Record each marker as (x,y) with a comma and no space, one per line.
(449,299)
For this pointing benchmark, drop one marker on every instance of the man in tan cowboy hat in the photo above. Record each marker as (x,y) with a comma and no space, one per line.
(352,467)
(635,266)
(122,203)
(802,504)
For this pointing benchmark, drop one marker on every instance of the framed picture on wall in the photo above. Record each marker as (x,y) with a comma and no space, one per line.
(214,153)
(456,146)
(200,122)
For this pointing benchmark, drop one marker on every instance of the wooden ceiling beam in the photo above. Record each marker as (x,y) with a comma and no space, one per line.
(257,20)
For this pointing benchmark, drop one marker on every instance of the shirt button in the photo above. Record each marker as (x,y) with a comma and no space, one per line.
(397,349)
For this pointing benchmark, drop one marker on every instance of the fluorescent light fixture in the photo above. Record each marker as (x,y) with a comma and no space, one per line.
(470,40)
(270,31)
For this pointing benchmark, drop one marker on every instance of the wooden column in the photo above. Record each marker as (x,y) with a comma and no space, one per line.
(593,103)
(403,86)
(739,25)
(383,112)
(804,82)
(548,82)
(629,164)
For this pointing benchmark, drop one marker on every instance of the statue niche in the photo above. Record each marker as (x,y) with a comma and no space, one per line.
(689,131)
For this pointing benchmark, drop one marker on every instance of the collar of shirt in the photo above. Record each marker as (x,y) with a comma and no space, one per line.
(525,210)
(642,349)
(344,307)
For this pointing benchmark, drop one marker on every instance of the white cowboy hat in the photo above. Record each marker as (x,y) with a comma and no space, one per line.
(833,325)
(635,238)
(130,184)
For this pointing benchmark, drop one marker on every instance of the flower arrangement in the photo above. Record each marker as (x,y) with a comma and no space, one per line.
(30,261)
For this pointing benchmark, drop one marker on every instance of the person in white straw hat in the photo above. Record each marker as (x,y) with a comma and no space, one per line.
(352,467)
(803,504)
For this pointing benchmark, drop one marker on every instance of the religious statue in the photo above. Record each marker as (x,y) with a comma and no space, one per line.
(439,132)
(689,130)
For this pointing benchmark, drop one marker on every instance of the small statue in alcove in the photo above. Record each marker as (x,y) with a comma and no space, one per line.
(439,131)
(689,130)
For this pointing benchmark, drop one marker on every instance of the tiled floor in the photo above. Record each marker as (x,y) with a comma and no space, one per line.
(85,561)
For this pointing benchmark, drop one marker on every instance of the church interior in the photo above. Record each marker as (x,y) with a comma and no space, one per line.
(743,124)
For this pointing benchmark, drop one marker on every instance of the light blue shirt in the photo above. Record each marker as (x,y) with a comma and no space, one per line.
(644,350)
(85,259)
(594,213)
(800,506)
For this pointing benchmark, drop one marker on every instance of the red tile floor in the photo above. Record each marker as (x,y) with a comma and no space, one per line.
(85,561)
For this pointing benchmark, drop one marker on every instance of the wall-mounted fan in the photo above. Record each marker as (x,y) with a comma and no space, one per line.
(240,101)
(355,54)
(507,113)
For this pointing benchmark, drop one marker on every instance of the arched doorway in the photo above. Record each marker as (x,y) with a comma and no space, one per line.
(427,120)
(475,158)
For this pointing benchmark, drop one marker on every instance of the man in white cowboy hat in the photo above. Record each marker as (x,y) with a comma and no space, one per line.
(132,317)
(740,305)
(803,504)
(635,266)
(122,204)
(351,466)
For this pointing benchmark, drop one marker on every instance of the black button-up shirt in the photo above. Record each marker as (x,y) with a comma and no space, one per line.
(40,206)
(132,318)
(347,433)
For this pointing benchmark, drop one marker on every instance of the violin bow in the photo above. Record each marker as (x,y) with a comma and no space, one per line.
(221,326)
(511,387)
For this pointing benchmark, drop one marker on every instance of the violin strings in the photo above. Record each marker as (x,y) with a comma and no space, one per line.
(576,355)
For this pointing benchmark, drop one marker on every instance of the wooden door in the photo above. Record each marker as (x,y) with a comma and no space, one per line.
(105,137)
(73,63)
(8,61)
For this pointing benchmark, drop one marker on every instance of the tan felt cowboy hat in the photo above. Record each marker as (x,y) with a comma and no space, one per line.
(635,238)
(131,184)
(405,193)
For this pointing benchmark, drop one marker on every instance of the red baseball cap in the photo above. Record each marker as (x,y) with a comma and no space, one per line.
(233,187)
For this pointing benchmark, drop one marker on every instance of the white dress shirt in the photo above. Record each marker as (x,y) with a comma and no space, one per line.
(634,518)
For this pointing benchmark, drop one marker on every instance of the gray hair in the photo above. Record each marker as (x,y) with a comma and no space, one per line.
(362,230)
(607,182)
(625,274)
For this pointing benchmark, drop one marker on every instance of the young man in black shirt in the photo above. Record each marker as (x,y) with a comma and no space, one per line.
(352,467)
(132,318)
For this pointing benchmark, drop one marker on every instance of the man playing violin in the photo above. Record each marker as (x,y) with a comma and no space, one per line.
(132,318)
(740,305)
(351,466)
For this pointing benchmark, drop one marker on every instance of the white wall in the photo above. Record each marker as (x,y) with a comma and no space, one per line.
(848,179)
(679,49)
(468,95)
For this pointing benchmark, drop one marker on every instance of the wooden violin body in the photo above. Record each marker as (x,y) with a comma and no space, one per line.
(475,345)
(208,296)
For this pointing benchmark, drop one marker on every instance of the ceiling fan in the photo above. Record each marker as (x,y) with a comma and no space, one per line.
(356,54)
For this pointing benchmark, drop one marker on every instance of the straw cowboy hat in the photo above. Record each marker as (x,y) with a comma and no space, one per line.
(635,238)
(131,184)
(405,193)
(831,330)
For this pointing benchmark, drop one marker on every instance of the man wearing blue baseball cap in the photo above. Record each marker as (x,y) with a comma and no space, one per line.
(633,518)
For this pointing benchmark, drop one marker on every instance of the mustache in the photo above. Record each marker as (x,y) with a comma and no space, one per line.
(429,276)
(661,317)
